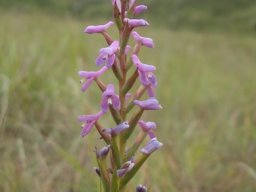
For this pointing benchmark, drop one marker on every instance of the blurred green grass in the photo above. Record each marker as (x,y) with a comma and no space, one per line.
(207,86)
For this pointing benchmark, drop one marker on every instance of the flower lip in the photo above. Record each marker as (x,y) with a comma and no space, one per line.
(151,146)
(148,104)
(90,118)
(98,28)
(142,66)
(146,126)
(89,121)
(90,76)
(110,97)
(107,55)
(145,41)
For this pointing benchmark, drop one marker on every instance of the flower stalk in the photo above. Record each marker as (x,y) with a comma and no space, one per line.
(118,163)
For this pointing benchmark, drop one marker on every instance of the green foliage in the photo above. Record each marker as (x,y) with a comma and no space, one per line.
(206,86)
(207,15)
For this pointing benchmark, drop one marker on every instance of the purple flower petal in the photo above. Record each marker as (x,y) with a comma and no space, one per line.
(111,60)
(107,55)
(127,49)
(152,79)
(89,121)
(151,92)
(109,97)
(151,146)
(86,128)
(149,104)
(121,127)
(103,152)
(148,42)
(90,118)
(118,4)
(131,3)
(137,22)
(141,188)
(141,66)
(117,130)
(98,28)
(114,46)
(148,127)
(87,84)
(90,76)
(126,167)
(139,9)
(116,102)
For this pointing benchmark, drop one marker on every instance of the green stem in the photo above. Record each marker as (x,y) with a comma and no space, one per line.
(132,150)
(116,153)
(116,116)
(130,82)
(133,122)
(104,174)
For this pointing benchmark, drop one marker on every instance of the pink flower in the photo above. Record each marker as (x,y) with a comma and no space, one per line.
(126,167)
(139,9)
(148,127)
(151,146)
(131,3)
(147,77)
(89,121)
(148,104)
(90,76)
(98,28)
(107,55)
(109,97)
(136,22)
(117,130)
(148,42)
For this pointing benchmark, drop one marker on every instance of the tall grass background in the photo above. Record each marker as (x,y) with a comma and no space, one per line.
(207,86)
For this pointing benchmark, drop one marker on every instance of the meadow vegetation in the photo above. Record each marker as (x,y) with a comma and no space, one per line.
(207,86)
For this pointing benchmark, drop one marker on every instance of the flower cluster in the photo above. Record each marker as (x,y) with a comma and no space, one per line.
(120,58)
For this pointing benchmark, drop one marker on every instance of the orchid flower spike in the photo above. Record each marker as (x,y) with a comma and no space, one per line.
(116,170)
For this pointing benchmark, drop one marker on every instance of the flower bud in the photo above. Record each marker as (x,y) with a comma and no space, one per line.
(139,9)
(103,152)
(141,188)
